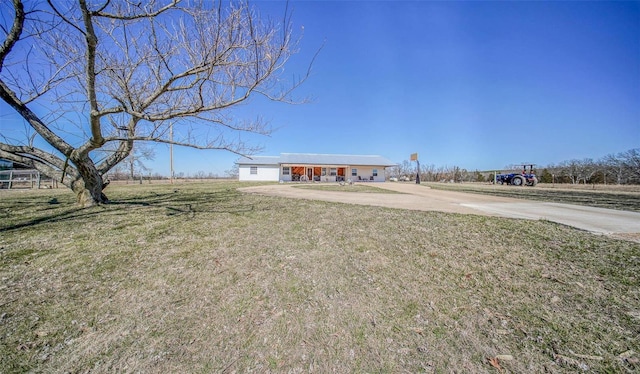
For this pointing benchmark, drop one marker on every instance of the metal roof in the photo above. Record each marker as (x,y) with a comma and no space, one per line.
(317,159)
(325,159)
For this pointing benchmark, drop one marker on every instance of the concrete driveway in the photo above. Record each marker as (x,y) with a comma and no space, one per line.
(419,197)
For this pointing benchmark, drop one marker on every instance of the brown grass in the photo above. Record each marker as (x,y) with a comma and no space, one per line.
(603,196)
(201,278)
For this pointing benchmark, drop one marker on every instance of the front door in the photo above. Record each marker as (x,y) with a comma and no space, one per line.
(341,172)
(310,173)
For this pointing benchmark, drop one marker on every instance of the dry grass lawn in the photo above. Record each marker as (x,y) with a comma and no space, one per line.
(201,278)
(622,197)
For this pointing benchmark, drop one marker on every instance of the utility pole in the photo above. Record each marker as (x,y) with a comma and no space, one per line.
(171,153)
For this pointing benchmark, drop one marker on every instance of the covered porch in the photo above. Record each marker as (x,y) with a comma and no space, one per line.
(329,173)
(313,173)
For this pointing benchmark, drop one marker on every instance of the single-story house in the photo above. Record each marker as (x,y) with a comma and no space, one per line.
(289,167)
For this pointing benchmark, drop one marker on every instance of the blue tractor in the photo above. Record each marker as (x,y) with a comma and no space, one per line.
(526,177)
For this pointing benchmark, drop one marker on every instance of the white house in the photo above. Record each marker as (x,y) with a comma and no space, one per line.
(313,167)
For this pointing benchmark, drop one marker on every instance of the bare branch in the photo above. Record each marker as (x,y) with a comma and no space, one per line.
(123,16)
(33,154)
(9,97)
(16,30)
(37,159)
(92,44)
(234,146)
(65,19)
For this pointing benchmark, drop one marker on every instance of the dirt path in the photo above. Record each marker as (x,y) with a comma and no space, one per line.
(418,197)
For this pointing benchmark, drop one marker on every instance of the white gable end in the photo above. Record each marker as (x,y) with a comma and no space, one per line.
(262,173)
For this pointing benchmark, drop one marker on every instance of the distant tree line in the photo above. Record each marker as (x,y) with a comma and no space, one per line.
(428,173)
(119,175)
(620,168)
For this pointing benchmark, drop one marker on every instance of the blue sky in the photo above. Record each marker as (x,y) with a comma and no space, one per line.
(478,85)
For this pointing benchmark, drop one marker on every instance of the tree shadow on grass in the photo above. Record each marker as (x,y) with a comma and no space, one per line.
(190,203)
(176,203)
(56,217)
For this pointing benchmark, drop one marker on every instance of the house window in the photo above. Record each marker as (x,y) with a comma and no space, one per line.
(286,170)
(324,172)
(253,170)
(333,172)
(375,172)
(354,172)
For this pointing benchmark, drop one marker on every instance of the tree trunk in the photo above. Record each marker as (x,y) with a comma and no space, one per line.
(88,187)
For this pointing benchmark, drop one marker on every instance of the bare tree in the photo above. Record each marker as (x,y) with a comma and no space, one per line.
(612,167)
(625,166)
(122,71)
(134,163)
(233,172)
(405,169)
(587,169)
(571,170)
